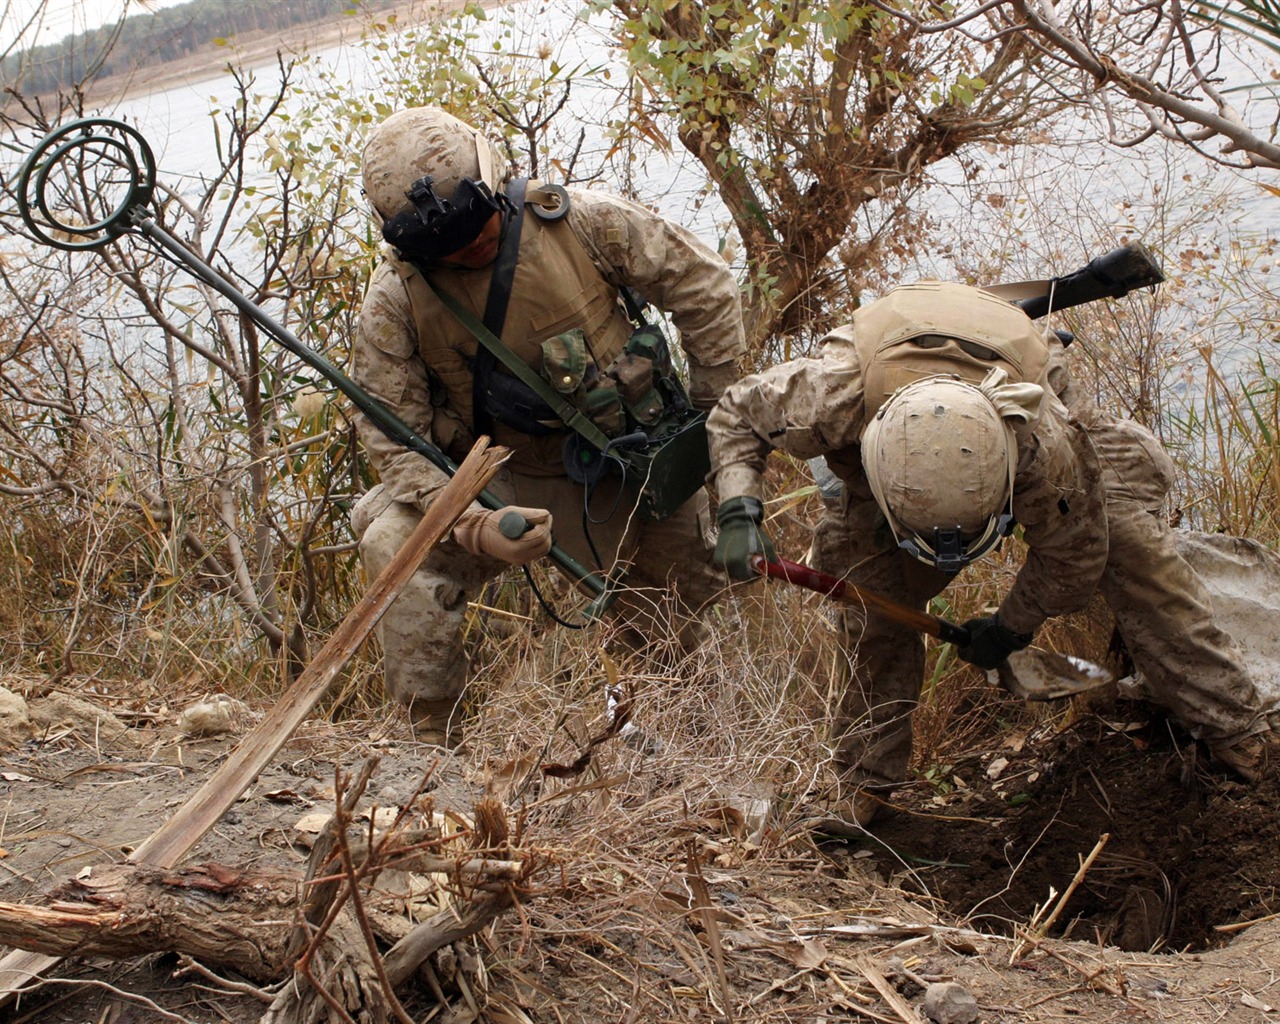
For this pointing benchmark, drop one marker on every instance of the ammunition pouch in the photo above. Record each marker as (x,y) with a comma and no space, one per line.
(650,431)
(568,367)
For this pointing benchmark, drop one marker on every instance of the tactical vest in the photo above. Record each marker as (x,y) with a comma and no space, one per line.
(930,329)
(556,288)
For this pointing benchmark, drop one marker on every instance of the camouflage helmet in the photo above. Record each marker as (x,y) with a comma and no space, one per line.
(423,141)
(940,459)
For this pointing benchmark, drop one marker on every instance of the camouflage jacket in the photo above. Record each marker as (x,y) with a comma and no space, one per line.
(818,406)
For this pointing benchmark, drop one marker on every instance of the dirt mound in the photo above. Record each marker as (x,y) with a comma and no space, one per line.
(1190,852)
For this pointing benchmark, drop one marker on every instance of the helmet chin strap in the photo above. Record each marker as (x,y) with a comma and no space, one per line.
(484,161)
(949,553)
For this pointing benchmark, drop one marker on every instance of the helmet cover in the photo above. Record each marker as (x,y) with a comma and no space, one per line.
(940,460)
(425,141)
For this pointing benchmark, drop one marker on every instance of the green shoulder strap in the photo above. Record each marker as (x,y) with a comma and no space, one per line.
(573,417)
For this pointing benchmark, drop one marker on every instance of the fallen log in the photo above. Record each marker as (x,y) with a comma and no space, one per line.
(221,916)
(225,917)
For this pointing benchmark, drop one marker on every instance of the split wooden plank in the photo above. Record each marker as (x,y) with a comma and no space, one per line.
(178,836)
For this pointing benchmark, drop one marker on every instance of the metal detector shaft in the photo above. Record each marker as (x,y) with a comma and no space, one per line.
(833,586)
(388,422)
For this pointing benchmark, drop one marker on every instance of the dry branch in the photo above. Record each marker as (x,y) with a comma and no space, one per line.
(173,840)
(219,915)
(216,914)
(440,930)
(1036,931)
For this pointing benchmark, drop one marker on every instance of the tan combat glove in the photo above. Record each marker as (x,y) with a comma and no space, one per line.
(510,534)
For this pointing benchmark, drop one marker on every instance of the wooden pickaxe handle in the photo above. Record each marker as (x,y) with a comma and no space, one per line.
(843,590)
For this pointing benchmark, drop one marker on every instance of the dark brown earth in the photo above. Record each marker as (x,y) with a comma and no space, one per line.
(966,859)
(1190,849)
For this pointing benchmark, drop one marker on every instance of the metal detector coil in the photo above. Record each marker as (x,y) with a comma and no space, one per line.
(85,183)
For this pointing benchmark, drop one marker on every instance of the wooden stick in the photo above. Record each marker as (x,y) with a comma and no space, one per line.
(702,904)
(887,992)
(1033,939)
(1239,926)
(178,836)
(449,925)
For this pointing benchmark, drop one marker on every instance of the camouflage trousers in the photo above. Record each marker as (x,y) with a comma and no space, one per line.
(425,663)
(1190,666)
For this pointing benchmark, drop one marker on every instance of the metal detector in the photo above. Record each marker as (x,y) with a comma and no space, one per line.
(103,171)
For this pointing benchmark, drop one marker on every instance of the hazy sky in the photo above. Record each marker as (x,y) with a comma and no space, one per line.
(47,21)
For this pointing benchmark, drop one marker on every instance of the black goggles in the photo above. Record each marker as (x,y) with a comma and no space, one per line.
(437,227)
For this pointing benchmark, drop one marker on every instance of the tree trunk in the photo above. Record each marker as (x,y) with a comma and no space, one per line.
(242,920)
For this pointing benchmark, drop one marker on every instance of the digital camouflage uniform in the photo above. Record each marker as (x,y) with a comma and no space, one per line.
(1064,497)
(413,355)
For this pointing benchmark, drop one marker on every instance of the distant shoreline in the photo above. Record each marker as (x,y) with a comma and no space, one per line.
(256,49)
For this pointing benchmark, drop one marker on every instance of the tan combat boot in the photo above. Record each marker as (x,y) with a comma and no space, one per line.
(435,723)
(1251,757)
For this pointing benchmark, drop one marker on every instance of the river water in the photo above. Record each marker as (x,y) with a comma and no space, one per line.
(1040,205)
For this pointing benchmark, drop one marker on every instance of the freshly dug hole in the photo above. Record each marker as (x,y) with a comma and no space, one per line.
(1190,850)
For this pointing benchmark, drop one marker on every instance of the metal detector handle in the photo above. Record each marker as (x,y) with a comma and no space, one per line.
(513,525)
(832,586)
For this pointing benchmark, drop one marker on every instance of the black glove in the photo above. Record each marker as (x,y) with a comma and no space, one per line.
(741,537)
(991,641)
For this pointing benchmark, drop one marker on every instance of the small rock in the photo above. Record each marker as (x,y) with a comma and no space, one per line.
(213,717)
(15,719)
(948,1002)
(65,711)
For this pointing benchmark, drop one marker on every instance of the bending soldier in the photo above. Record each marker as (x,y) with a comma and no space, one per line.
(933,407)
(549,286)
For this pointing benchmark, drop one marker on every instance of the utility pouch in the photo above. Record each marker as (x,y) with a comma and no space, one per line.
(634,375)
(512,402)
(564,361)
(568,367)
(601,402)
(650,343)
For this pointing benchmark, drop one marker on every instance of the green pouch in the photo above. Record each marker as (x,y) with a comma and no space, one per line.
(565,361)
(650,343)
(600,400)
(634,374)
